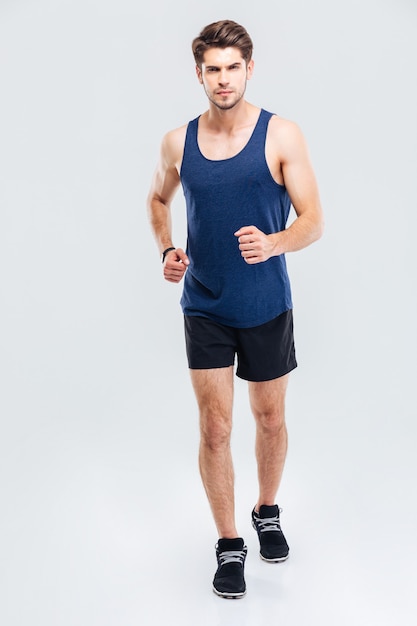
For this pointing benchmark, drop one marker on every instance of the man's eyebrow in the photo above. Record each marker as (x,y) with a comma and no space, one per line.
(216,67)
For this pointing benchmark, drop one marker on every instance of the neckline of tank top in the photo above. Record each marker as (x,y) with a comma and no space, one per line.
(261,113)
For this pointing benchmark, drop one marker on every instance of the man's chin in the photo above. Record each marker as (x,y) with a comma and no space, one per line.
(224,105)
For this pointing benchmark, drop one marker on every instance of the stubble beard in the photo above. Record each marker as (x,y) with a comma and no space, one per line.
(226,106)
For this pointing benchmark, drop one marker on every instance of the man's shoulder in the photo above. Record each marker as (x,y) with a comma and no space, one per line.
(175,135)
(283,126)
(284,134)
(173,143)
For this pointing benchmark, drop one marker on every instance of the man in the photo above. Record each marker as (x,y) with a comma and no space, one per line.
(241,169)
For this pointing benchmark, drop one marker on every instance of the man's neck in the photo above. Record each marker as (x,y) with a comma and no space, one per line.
(227,120)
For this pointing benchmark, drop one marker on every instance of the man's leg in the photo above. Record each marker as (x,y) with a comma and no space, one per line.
(214,392)
(268,406)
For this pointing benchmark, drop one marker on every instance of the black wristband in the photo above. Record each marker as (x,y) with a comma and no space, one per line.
(165,252)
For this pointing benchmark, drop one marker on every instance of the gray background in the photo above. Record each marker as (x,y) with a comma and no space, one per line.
(103,518)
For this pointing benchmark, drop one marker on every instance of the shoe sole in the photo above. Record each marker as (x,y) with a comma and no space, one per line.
(278,560)
(229,596)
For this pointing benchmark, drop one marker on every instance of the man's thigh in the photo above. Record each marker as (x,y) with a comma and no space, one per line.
(213,389)
(268,397)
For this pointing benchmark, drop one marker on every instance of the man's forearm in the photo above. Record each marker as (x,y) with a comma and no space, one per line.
(160,219)
(304,231)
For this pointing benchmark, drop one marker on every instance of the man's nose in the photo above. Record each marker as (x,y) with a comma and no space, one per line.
(223,77)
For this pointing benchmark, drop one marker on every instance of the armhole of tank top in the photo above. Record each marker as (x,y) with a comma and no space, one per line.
(187,139)
(279,185)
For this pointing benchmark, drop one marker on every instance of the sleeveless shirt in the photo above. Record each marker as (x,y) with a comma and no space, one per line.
(222,196)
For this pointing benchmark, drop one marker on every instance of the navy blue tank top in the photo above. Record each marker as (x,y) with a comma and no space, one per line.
(221,197)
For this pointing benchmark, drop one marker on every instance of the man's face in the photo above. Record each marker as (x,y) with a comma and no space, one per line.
(223,75)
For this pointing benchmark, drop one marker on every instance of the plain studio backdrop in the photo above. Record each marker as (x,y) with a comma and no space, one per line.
(103,518)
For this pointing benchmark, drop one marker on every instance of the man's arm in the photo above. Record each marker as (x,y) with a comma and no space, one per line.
(164,185)
(300,182)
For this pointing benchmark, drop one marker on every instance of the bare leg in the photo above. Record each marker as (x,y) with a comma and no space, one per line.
(214,392)
(268,407)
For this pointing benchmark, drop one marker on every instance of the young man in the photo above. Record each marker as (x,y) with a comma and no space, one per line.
(241,169)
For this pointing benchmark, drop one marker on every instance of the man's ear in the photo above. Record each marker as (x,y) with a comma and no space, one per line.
(249,69)
(199,74)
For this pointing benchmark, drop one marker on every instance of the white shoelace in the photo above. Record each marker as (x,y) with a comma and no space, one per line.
(232,556)
(268,523)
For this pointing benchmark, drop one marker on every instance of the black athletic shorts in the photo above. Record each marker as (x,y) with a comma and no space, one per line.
(263,352)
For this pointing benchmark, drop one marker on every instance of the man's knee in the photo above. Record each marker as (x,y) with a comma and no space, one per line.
(215,428)
(270,420)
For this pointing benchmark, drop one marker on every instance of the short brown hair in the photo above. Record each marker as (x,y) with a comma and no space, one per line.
(222,34)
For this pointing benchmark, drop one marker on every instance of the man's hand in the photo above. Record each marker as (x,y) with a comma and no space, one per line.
(255,246)
(175,265)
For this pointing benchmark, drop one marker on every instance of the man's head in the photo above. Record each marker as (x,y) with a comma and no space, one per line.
(222,34)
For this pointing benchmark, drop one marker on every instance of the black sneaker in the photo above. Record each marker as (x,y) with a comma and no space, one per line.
(229,580)
(274,547)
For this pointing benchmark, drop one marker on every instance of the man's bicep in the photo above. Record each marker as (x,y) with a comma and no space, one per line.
(165,183)
(301,185)
(167,178)
(299,177)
